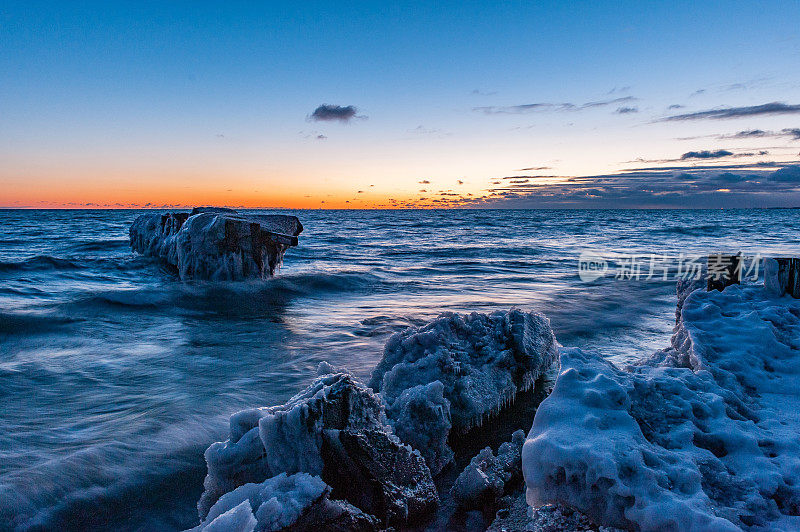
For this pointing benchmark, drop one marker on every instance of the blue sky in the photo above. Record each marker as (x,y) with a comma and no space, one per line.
(111,102)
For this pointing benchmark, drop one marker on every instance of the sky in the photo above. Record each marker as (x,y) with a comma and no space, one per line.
(420,104)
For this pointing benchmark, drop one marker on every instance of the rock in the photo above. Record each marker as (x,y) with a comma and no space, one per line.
(488,476)
(336,429)
(379,474)
(284,502)
(288,438)
(701,436)
(216,243)
(482,361)
(421,418)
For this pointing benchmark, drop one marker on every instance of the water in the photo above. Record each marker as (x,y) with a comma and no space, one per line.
(115,376)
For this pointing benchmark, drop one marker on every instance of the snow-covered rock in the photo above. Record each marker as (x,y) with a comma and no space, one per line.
(332,430)
(421,418)
(377,473)
(489,476)
(482,361)
(701,436)
(287,438)
(284,502)
(216,243)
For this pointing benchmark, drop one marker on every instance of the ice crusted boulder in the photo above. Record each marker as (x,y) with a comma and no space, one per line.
(216,243)
(482,361)
(421,418)
(330,430)
(285,502)
(489,476)
(702,436)
(380,475)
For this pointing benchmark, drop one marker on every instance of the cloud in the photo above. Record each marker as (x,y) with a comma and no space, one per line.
(626,110)
(702,186)
(705,154)
(321,137)
(424,182)
(676,106)
(534,168)
(327,112)
(772,108)
(460,182)
(533,107)
(787,174)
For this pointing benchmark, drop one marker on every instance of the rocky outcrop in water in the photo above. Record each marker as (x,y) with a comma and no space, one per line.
(365,467)
(215,243)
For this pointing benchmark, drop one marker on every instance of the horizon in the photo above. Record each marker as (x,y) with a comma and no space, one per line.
(356,106)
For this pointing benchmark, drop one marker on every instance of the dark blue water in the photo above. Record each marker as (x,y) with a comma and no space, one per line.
(115,376)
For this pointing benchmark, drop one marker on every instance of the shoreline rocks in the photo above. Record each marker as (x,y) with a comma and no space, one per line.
(215,243)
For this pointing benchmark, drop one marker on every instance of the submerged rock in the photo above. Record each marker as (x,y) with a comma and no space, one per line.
(482,361)
(216,243)
(701,436)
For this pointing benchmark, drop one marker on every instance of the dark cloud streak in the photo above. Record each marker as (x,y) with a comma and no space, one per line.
(772,108)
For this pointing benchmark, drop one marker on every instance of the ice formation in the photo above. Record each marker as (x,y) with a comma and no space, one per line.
(421,418)
(284,502)
(335,429)
(488,476)
(215,243)
(701,436)
(481,360)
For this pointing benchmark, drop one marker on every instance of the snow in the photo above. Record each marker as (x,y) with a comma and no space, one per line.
(215,243)
(700,436)
(238,519)
(299,501)
(482,361)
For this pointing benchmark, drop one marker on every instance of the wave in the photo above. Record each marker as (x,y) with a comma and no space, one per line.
(698,230)
(39,262)
(109,245)
(251,295)
(26,323)
(90,488)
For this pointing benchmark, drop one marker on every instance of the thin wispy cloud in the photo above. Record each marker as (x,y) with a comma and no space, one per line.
(793,133)
(557,107)
(328,113)
(626,110)
(772,108)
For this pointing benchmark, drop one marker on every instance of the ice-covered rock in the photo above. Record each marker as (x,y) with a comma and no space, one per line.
(482,361)
(333,429)
(701,436)
(488,476)
(285,502)
(287,438)
(216,243)
(421,418)
(379,474)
